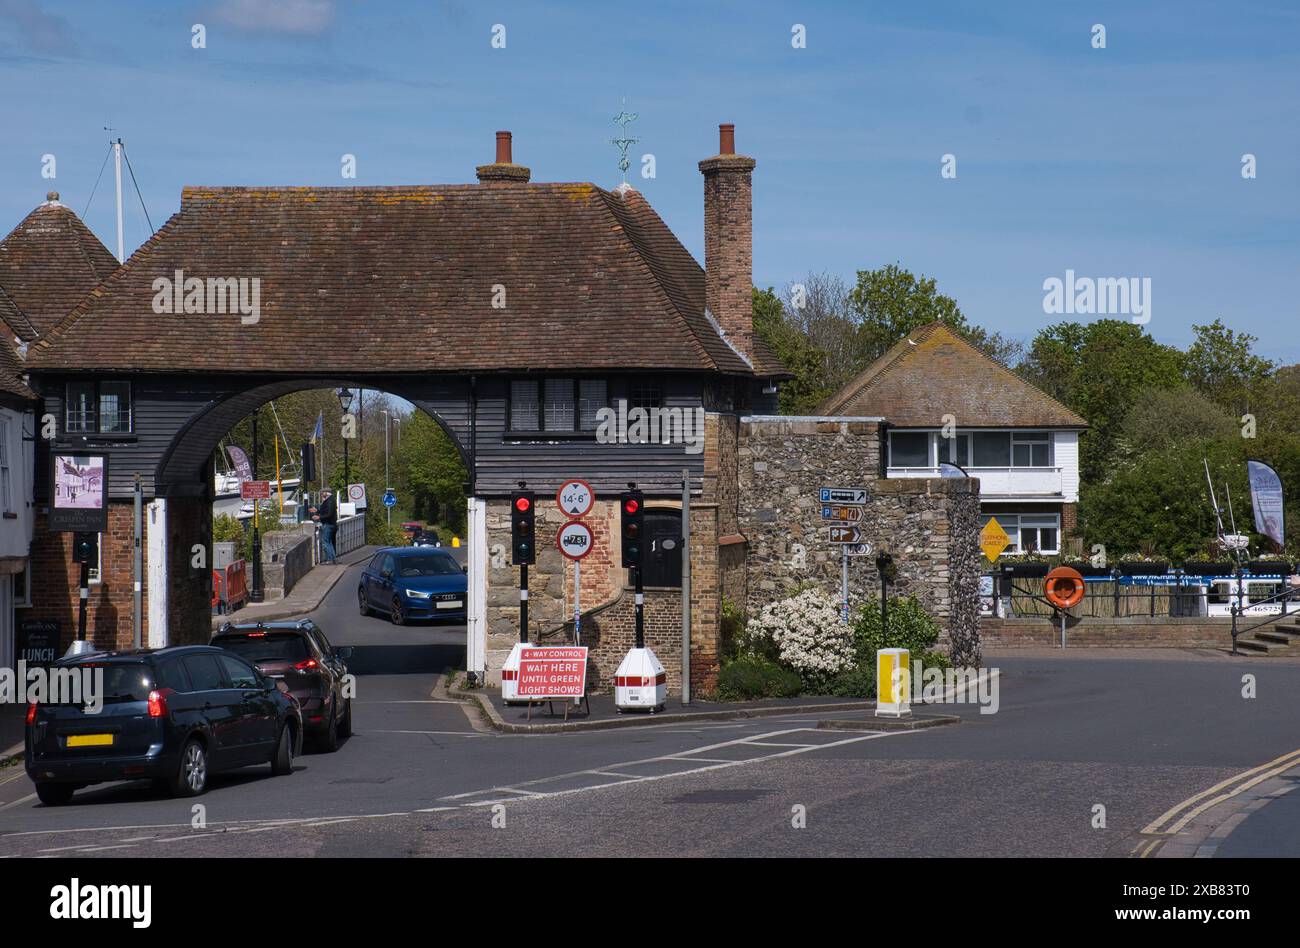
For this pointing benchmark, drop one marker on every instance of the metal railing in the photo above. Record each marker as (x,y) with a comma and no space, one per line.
(1238,610)
(350,535)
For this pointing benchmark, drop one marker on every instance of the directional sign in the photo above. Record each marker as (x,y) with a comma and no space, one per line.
(841,512)
(390,499)
(843,495)
(574,539)
(255,490)
(575,498)
(858,549)
(993,539)
(845,534)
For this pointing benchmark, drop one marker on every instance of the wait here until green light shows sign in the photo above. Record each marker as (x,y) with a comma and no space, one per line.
(547,673)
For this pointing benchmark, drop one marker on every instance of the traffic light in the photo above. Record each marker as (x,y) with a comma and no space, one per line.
(523,547)
(633,508)
(85,548)
(308,462)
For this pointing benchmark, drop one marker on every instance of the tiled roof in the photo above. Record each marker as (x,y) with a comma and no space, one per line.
(403,279)
(935,372)
(48,263)
(11,371)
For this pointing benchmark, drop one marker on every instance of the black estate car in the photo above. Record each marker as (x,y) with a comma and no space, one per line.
(297,652)
(174,715)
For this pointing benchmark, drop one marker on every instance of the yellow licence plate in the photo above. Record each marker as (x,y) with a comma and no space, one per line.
(90,740)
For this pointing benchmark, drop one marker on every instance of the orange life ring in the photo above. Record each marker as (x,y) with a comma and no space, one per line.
(1064,587)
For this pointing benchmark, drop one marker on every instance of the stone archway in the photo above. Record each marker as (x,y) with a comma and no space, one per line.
(180,514)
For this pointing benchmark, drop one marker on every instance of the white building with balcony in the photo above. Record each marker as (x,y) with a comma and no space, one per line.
(947,405)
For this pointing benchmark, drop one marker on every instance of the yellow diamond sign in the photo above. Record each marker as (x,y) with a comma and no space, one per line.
(993,539)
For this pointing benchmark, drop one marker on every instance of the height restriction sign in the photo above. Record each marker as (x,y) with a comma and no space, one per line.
(575,498)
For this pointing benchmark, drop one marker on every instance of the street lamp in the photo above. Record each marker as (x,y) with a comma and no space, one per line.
(345,403)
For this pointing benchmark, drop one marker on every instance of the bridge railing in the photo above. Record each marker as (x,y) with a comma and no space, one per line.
(350,535)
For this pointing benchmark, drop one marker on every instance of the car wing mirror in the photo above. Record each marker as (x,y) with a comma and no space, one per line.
(343,651)
(465,569)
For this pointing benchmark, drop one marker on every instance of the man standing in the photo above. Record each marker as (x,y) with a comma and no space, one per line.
(327,516)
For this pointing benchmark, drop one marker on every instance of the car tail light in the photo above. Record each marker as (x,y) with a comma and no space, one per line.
(31,712)
(158,703)
(308,665)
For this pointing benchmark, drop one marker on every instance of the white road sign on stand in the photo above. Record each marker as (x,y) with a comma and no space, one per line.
(575,498)
(357,495)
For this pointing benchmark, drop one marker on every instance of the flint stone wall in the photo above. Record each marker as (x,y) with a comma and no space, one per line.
(929,525)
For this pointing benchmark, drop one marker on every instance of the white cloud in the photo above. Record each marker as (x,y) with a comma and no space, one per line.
(280,16)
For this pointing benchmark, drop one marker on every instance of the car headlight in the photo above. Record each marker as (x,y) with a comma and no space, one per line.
(416,594)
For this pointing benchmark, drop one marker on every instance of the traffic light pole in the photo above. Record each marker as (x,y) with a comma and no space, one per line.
(640,607)
(523,603)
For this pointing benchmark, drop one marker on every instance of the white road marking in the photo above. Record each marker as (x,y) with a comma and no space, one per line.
(444,733)
(30,796)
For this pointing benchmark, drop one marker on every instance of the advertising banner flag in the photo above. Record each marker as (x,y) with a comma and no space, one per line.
(1266,499)
(242,467)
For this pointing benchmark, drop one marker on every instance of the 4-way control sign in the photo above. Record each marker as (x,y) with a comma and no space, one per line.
(549,674)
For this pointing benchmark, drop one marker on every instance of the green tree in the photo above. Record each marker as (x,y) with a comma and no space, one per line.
(1221,365)
(1164,418)
(432,472)
(1100,370)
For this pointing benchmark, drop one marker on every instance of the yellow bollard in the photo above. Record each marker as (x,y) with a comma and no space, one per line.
(893,682)
(455,541)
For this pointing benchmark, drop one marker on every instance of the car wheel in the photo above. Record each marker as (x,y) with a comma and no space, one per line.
(55,794)
(282,762)
(396,613)
(191,777)
(329,741)
(362,603)
(345,726)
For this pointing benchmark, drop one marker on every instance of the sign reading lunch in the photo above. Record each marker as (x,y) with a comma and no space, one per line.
(549,673)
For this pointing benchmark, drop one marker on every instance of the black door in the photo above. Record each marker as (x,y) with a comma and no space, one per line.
(663,561)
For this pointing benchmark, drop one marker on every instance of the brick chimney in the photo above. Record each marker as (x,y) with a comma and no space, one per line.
(729,241)
(503,170)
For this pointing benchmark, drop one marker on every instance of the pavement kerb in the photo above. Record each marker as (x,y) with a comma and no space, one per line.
(488,710)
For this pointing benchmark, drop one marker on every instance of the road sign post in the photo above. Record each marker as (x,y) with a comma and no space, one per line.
(575,541)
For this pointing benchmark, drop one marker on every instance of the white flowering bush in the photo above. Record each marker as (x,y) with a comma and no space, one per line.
(806,634)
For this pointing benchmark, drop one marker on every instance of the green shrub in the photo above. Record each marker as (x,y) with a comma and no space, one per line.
(859,682)
(751,676)
(227,529)
(910,627)
(731,632)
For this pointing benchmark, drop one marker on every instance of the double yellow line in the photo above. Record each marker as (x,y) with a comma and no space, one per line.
(1178,816)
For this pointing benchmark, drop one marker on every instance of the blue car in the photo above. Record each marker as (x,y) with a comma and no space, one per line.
(409,583)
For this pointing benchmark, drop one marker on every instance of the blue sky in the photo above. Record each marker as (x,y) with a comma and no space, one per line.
(1123,161)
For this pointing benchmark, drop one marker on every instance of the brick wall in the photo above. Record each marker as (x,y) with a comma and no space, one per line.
(1109,633)
(55,581)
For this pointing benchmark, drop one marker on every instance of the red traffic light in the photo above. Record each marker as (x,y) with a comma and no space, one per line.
(523,504)
(631,505)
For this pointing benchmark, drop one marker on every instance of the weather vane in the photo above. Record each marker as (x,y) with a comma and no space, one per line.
(622,119)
